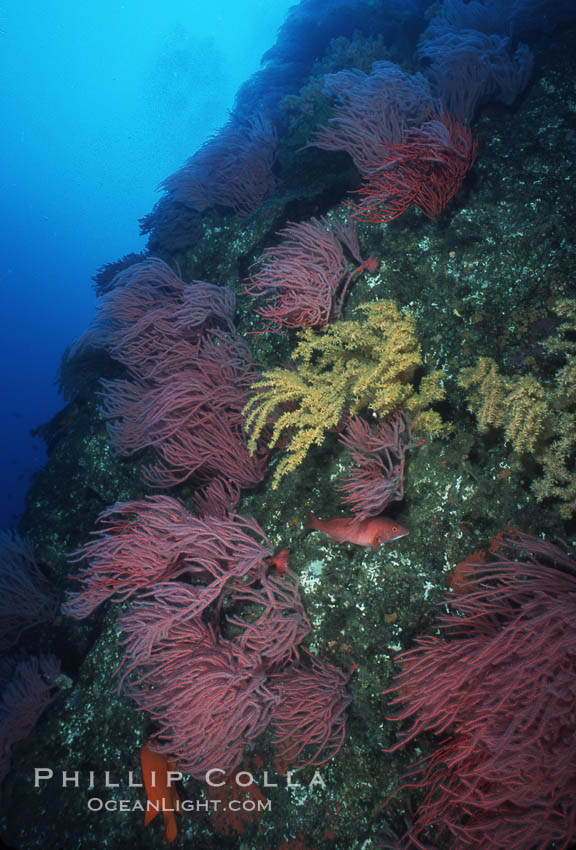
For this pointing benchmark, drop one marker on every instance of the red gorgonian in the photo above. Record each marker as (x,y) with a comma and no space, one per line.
(426,169)
(498,686)
(304,279)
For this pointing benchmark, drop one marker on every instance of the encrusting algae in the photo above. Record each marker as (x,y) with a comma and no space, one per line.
(346,368)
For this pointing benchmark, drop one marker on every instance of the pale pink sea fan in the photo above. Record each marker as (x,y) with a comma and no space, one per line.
(232,169)
(304,279)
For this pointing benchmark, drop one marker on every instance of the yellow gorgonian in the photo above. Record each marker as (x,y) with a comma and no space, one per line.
(347,367)
(537,415)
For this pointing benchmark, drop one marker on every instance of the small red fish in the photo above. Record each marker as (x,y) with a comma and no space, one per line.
(159,790)
(279,561)
(364,532)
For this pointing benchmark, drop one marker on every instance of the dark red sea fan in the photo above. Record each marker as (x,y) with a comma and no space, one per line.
(373,111)
(31,685)
(26,598)
(147,542)
(208,696)
(233,168)
(426,169)
(212,640)
(269,617)
(309,718)
(500,688)
(376,476)
(187,382)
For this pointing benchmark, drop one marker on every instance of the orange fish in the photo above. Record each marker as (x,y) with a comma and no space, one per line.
(364,532)
(279,561)
(162,796)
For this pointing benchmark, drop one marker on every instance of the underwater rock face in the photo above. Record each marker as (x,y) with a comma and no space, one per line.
(302,643)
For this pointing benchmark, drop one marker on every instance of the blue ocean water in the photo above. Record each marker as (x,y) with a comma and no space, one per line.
(100,102)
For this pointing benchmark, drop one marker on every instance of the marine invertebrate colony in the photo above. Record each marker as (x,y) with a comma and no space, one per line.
(536,413)
(499,686)
(310,713)
(188,377)
(213,661)
(209,698)
(408,149)
(147,542)
(373,111)
(426,169)
(351,366)
(26,598)
(376,476)
(305,278)
(212,624)
(30,685)
(232,169)
(469,67)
